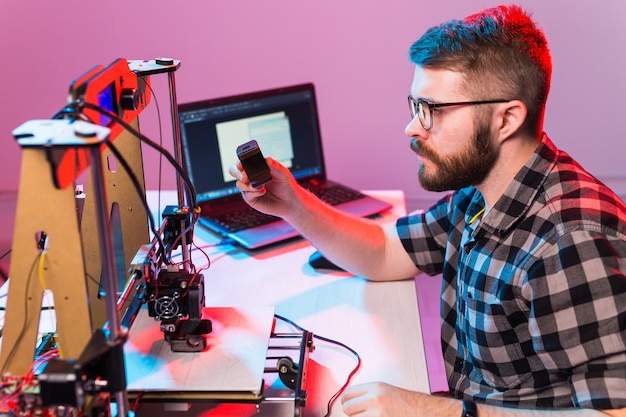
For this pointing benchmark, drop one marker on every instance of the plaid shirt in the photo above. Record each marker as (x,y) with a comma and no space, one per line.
(533,302)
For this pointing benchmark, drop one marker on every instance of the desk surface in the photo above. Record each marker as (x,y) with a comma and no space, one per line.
(378,320)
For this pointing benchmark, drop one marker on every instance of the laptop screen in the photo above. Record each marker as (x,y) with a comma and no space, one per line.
(283,121)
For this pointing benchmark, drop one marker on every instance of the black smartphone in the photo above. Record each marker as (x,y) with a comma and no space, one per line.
(254,163)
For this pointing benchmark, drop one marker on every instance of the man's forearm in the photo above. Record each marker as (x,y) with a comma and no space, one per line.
(338,235)
(445,407)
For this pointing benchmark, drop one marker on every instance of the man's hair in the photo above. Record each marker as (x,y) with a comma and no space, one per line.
(500,51)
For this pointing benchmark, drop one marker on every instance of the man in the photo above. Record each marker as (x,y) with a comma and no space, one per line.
(531,248)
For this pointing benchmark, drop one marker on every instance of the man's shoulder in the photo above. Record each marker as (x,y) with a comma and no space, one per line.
(574,195)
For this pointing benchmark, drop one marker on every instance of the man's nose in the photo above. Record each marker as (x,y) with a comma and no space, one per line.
(414,128)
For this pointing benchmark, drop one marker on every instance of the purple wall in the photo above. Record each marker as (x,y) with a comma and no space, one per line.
(354,50)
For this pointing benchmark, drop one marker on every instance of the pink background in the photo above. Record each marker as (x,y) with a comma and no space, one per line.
(353,50)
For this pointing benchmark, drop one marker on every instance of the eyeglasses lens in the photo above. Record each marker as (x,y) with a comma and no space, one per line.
(420,109)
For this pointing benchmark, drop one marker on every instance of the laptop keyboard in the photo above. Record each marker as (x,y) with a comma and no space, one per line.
(248,217)
(244,219)
(336,194)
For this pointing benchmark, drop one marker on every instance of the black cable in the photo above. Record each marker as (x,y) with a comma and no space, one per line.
(43,308)
(334,342)
(139,189)
(13,350)
(5,254)
(75,109)
(189,186)
(158,110)
(72,111)
(93,279)
(4,276)
(190,189)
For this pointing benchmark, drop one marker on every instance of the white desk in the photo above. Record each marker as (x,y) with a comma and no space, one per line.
(378,320)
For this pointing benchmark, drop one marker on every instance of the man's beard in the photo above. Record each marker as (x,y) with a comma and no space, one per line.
(468,167)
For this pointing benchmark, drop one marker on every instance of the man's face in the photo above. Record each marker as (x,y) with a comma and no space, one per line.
(457,151)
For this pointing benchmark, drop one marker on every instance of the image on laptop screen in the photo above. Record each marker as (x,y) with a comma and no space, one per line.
(283,121)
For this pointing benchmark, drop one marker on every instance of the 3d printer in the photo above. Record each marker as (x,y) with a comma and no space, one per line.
(90,250)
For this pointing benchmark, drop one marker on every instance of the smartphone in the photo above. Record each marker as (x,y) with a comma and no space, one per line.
(254,163)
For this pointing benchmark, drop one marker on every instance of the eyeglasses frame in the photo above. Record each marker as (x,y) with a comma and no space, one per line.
(431,106)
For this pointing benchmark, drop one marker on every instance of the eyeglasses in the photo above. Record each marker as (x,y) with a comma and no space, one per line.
(424,109)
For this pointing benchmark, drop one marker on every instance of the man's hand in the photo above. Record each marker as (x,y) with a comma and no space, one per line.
(274,198)
(378,399)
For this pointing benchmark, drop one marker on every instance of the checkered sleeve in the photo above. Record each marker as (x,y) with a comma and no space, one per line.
(425,235)
(576,290)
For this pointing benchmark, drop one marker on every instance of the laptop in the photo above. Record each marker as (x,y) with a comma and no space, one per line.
(284,121)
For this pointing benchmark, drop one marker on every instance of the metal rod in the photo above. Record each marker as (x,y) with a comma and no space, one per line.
(107,254)
(109,273)
(178,155)
(288,335)
(121,398)
(130,283)
(279,347)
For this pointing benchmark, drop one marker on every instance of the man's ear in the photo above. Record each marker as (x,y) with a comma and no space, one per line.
(510,118)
